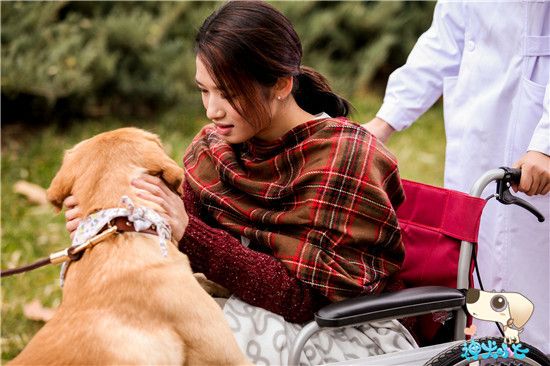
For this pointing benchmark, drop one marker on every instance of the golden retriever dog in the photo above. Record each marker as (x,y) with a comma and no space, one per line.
(124,302)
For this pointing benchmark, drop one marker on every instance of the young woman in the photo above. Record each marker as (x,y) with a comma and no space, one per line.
(273,207)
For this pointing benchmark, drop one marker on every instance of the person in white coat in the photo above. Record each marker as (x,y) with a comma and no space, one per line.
(491,63)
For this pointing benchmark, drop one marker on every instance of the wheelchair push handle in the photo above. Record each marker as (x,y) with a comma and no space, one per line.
(503,195)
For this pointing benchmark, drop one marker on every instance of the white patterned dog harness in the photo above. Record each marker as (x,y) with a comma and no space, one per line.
(142,218)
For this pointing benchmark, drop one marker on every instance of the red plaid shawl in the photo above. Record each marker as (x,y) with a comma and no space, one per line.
(322,198)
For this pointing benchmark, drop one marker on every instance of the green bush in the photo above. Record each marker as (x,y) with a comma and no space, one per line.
(67,59)
(98,58)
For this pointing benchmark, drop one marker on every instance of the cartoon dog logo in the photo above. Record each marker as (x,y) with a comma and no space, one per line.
(510,309)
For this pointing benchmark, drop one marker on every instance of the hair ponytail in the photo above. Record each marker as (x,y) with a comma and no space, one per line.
(314,95)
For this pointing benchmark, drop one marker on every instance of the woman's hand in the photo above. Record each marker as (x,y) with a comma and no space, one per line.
(535,173)
(72,215)
(153,189)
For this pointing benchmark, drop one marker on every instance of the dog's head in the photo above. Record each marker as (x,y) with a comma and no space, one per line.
(98,171)
(507,308)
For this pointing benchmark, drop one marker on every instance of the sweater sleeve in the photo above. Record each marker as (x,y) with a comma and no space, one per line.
(256,278)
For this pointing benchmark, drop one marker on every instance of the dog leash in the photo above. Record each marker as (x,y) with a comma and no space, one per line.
(74,253)
(71,253)
(116,220)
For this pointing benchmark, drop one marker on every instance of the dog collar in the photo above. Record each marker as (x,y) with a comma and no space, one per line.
(140,219)
(510,324)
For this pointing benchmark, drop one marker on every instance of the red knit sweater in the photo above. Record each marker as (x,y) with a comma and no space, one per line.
(257,278)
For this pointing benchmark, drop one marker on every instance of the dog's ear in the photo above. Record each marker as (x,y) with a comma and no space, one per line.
(172,174)
(62,184)
(159,163)
(521,308)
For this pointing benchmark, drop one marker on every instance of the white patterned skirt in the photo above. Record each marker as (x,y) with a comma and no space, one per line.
(266,337)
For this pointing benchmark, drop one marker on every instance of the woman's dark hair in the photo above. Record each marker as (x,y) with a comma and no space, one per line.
(247,46)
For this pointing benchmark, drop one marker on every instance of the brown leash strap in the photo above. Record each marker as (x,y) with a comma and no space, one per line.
(73,253)
(69,253)
(30,267)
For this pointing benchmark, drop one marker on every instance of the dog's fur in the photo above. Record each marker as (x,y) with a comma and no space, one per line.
(513,314)
(123,302)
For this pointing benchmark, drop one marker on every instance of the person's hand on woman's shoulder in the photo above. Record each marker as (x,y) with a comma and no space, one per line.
(381,129)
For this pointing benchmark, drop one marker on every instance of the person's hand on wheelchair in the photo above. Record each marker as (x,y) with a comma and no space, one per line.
(535,173)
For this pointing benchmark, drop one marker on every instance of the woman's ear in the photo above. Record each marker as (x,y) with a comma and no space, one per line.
(283,87)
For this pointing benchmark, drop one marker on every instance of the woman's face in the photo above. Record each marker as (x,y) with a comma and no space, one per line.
(230,125)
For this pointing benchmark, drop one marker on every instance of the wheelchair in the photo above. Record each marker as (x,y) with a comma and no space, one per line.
(443,232)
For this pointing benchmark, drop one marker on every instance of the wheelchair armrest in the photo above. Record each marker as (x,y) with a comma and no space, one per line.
(392,305)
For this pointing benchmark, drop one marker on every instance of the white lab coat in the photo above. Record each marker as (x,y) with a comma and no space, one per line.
(491,62)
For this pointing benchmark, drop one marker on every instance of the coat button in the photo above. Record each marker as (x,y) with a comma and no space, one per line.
(470,45)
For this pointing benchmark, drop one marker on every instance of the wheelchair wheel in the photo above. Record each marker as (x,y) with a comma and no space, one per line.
(489,351)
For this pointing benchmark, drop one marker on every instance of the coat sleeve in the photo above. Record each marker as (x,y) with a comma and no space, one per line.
(540,140)
(414,87)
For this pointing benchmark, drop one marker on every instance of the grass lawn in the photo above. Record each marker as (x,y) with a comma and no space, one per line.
(33,232)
